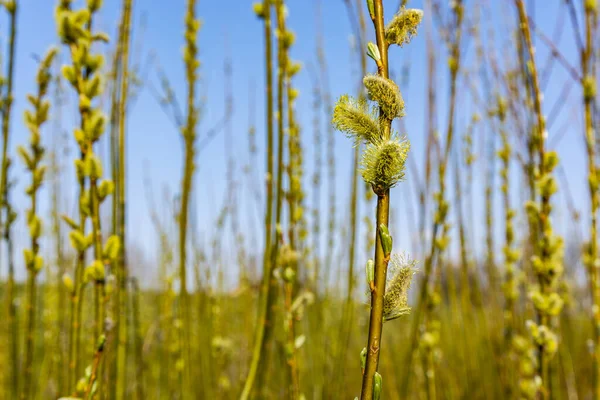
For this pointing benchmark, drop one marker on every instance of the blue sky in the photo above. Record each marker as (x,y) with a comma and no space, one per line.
(230,30)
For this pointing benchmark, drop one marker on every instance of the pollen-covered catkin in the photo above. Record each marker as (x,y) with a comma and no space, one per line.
(383,162)
(356,119)
(403,27)
(400,273)
(387,94)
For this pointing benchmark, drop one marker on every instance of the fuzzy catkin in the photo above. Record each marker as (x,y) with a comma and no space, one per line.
(387,94)
(354,118)
(395,300)
(383,163)
(403,26)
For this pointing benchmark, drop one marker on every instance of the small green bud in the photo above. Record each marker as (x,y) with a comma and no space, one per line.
(105,188)
(93,166)
(68,282)
(101,342)
(94,5)
(79,136)
(370,270)
(377,386)
(259,10)
(38,263)
(112,247)
(299,341)
(550,161)
(26,157)
(289,274)
(28,257)
(591,6)
(100,37)
(11,6)
(589,88)
(97,270)
(371,7)
(452,64)
(386,240)
(70,222)
(68,72)
(293,68)
(94,62)
(35,227)
(93,86)
(84,103)
(363,358)
(81,169)
(78,241)
(81,385)
(373,52)
(38,175)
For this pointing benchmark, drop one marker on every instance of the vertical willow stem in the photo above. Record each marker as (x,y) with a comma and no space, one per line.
(32,157)
(294,197)
(119,209)
(83,76)
(589,85)
(382,218)
(510,286)
(189,135)
(61,360)
(259,336)
(139,357)
(439,223)
(31,299)
(273,287)
(547,246)
(4,205)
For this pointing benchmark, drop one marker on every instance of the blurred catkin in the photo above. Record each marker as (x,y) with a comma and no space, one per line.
(547,259)
(32,158)
(87,81)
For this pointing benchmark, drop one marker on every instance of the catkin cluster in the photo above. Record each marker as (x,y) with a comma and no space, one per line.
(85,77)
(32,158)
(84,74)
(383,160)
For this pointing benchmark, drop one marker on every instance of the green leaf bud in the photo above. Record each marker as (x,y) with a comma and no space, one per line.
(386,240)
(370,271)
(70,222)
(373,52)
(363,358)
(377,386)
(371,7)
